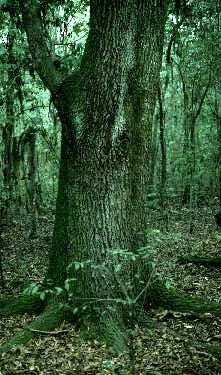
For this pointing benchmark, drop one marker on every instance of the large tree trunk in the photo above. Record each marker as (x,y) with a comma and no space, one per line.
(106,111)
(104,161)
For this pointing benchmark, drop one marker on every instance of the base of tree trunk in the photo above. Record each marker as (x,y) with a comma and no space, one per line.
(55,313)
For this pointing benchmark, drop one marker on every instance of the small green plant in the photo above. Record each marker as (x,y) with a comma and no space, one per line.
(108,365)
(35,289)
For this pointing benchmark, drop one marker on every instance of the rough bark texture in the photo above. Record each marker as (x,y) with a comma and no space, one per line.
(104,161)
(106,111)
(139,108)
(8,130)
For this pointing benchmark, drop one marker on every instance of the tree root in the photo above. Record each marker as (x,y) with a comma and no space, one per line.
(207,262)
(156,295)
(48,333)
(52,317)
(160,296)
(23,304)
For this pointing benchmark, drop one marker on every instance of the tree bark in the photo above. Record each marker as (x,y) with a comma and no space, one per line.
(139,108)
(9,126)
(106,111)
(102,189)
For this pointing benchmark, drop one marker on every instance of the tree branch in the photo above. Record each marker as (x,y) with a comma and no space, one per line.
(42,58)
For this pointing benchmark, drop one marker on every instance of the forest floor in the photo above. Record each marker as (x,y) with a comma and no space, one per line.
(174,343)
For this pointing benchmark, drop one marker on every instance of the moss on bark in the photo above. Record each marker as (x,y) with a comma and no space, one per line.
(23,304)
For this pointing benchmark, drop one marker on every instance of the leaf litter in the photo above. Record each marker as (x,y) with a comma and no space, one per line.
(175,343)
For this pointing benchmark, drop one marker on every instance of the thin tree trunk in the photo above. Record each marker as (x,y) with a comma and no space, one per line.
(9,127)
(153,154)
(218,122)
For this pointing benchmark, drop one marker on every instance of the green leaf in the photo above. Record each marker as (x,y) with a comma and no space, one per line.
(177,236)
(118,251)
(3,2)
(66,284)
(58,290)
(35,289)
(217,236)
(168,284)
(42,296)
(77,266)
(31,289)
(117,268)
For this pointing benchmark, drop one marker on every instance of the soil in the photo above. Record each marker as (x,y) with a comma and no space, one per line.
(171,343)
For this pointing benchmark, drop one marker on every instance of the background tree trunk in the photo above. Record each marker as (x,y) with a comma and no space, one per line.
(9,126)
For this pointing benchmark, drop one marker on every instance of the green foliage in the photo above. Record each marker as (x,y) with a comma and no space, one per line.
(66,27)
(153,200)
(35,289)
(217,236)
(3,2)
(108,365)
(68,283)
(192,65)
(132,275)
(118,261)
(194,58)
